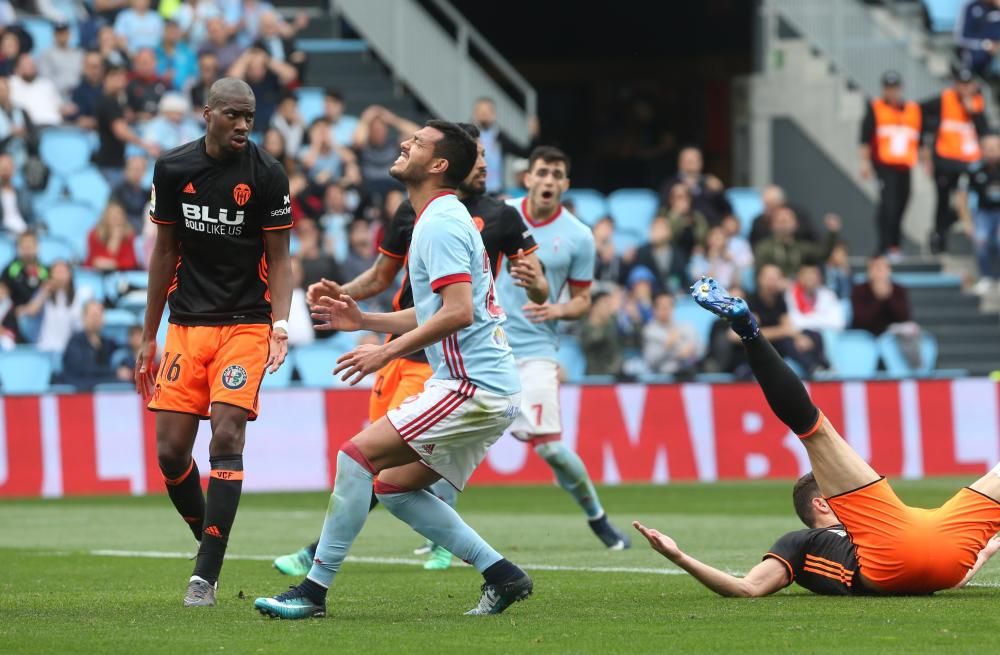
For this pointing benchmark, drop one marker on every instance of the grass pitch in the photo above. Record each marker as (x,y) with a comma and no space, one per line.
(60,594)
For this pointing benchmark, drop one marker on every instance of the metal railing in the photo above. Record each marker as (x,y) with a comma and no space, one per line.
(844,31)
(435,62)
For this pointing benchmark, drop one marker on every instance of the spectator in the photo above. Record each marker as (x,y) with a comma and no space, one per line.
(173,125)
(243,18)
(977,35)
(324,161)
(274,145)
(58,305)
(361,250)
(984,228)
(37,96)
(669,348)
(335,220)
(838,271)
(107,11)
(715,260)
(267,77)
(639,302)
(113,130)
(111,51)
(305,202)
(10,50)
(8,336)
(687,224)
(14,122)
(497,144)
(773,197)
(138,27)
(811,306)
(219,43)
(879,303)
(277,38)
(208,74)
(176,62)
(131,194)
(300,325)
(663,258)
(22,277)
(768,305)
(342,125)
(73,12)
(126,355)
(288,122)
(111,244)
(377,150)
(599,336)
(16,214)
(316,264)
(193,16)
(145,88)
(88,92)
(62,63)
(737,246)
(786,251)
(87,359)
(706,190)
(609,266)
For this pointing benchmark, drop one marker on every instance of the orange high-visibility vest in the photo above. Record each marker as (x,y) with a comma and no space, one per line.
(897,133)
(956,137)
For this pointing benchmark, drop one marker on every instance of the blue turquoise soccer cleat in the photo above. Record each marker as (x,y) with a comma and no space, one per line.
(293,604)
(709,295)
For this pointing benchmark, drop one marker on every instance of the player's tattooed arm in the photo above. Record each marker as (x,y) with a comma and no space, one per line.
(764,579)
(162,265)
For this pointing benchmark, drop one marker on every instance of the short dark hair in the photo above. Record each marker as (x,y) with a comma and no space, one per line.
(470,129)
(549,155)
(803,492)
(334,93)
(457,148)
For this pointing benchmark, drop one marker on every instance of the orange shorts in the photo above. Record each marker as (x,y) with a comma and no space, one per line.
(395,382)
(909,550)
(202,365)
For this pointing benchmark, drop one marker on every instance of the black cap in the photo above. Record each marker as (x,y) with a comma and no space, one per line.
(964,75)
(60,26)
(891,78)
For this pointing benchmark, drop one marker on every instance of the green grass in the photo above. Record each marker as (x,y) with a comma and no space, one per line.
(58,597)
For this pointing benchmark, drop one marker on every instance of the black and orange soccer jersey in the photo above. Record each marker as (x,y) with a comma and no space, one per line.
(822,560)
(503,232)
(221,210)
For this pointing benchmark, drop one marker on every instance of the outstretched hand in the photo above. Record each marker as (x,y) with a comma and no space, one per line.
(322,288)
(355,365)
(659,542)
(332,314)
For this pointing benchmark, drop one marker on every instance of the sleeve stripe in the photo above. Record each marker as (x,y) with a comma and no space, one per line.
(277,227)
(390,254)
(454,278)
(526,252)
(580,283)
(791,571)
(159,222)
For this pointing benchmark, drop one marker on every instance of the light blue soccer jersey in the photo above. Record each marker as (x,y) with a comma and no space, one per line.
(566,250)
(446,247)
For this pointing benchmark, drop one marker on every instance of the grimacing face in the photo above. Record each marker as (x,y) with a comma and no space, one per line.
(416,156)
(546,182)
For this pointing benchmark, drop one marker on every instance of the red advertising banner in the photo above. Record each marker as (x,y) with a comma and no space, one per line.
(105,443)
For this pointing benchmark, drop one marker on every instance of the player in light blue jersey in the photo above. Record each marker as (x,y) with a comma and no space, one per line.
(472,397)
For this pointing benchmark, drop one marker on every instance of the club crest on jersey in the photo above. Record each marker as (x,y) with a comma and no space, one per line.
(234,377)
(241,194)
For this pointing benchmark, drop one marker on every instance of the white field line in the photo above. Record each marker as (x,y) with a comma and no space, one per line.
(162,554)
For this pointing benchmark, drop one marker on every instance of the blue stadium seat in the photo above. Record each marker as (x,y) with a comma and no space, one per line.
(315,363)
(895,362)
(88,186)
(572,359)
(943,14)
(625,239)
(92,281)
(120,283)
(116,387)
(71,222)
(25,370)
(42,32)
(7,250)
(282,378)
(589,205)
(848,309)
(311,101)
(65,150)
(686,310)
(855,354)
(51,249)
(633,209)
(747,205)
(117,322)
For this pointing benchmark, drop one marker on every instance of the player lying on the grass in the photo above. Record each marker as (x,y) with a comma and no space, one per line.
(445,431)
(862,538)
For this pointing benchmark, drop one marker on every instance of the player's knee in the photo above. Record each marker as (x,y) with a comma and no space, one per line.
(228,436)
(550,451)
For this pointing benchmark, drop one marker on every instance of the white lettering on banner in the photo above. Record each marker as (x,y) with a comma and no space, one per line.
(856,418)
(119,456)
(52,460)
(698,412)
(912,448)
(976,422)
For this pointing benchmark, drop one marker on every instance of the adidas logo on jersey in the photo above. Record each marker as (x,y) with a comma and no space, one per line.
(189,188)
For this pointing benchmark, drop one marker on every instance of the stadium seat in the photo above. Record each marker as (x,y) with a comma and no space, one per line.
(855,354)
(633,209)
(315,363)
(571,359)
(7,250)
(71,222)
(589,205)
(65,150)
(117,322)
(848,309)
(626,240)
(25,370)
(117,387)
(895,362)
(282,378)
(51,249)
(942,14)
(686,310)
(120,283)
(92,281)
(311,101)
(89,187)
(42,33)
(747,205)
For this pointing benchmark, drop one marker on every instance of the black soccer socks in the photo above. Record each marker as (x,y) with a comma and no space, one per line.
(184,489)
(224,488)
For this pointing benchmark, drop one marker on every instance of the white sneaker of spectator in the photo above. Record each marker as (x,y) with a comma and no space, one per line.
(984,287)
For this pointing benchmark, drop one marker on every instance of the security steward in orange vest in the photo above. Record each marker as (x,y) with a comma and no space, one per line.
(952,125)
(890,140)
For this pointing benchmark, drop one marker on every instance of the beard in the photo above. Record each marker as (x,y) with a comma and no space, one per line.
(473,188)
(408,175)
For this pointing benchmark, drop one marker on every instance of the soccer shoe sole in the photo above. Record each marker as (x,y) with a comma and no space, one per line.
(290,612)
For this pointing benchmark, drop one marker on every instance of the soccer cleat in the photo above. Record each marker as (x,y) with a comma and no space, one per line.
(297,564)
(709,295)
(425,549)
(439,560)
(200,593)
(293,604)
(497,598)
(609,535)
